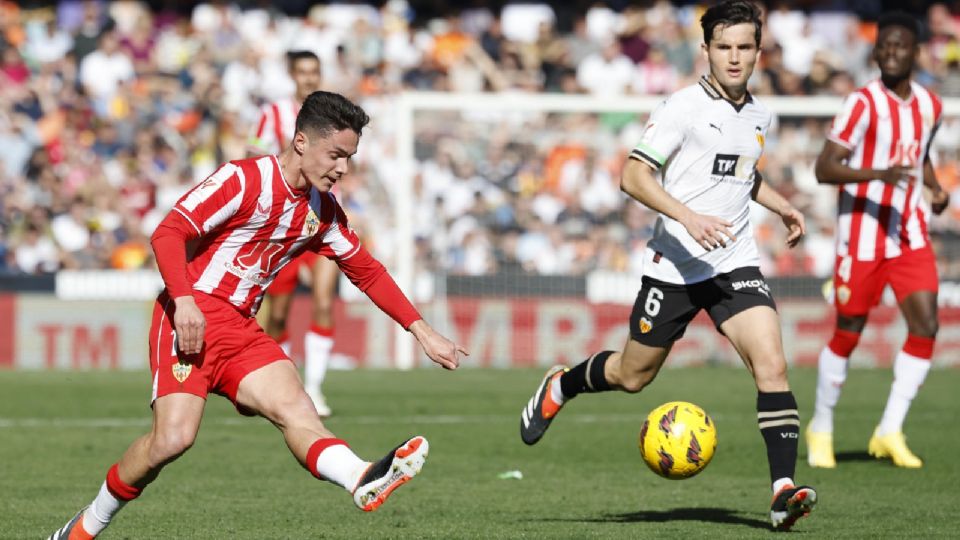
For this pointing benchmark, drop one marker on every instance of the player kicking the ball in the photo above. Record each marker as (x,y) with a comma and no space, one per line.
(249,219)
(705,140)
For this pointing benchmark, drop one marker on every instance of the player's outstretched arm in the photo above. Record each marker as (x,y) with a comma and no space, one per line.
(440,349)
(638,180)
(832,168)
(364,271)
(792,218)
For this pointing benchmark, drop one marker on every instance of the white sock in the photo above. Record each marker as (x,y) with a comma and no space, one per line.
(556,394)
(316,359)
(781,482)
(831,374)
(338,464)
(909,373)
(101,511)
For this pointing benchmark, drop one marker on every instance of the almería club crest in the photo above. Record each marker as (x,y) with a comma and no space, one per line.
(181,371)
(312,223)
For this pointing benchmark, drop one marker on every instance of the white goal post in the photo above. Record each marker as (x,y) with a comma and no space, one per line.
(408,104)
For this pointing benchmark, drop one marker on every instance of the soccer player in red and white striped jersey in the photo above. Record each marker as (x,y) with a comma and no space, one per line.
(249,219)
(275,131)
(878,154)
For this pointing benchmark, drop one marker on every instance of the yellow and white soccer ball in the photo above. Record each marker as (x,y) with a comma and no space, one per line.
(678,440)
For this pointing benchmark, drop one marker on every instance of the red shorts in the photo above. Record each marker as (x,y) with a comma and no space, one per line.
(286,280)
(858,285)
(233,346)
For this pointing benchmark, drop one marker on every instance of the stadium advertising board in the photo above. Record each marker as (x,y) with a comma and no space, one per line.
(37,331)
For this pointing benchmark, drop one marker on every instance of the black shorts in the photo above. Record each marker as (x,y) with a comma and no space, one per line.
(663,310)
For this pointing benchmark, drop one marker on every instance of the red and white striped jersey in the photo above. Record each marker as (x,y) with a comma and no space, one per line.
(878,220)
(251,223)
(277,125)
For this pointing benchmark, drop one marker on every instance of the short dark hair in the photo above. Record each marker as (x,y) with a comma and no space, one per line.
(294,56)
(325,112)
(729,13)
(901,19)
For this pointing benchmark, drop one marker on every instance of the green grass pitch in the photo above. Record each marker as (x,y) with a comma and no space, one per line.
(59,432)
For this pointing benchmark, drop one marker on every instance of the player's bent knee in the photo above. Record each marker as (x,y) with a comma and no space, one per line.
(170,444)
(771,375)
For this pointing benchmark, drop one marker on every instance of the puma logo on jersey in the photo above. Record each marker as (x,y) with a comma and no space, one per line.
(716,127)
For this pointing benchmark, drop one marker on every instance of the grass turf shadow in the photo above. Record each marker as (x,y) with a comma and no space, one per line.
(712,515)
(854,455)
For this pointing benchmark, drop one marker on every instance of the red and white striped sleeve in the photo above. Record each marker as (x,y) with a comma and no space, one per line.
(340,243)
(851,123)
(212,202)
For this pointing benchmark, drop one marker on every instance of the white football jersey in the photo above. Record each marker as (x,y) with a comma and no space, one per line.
(707,149)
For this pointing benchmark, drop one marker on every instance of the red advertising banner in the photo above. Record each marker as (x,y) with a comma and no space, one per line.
(37,331)
(516,332)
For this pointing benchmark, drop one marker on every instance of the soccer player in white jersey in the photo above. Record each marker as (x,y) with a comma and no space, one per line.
(248,219)
(877,153)
(705,141)
(275,131)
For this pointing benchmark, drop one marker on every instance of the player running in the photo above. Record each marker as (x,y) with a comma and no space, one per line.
(705,140)
(878,153)
(249,219)
(275,131)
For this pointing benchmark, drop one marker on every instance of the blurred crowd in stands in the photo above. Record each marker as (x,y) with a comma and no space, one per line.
(109,111)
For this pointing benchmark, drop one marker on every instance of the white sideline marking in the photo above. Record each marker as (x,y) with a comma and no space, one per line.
(366,420)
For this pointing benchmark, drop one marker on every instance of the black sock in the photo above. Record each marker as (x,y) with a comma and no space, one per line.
(587,376)
(779,424)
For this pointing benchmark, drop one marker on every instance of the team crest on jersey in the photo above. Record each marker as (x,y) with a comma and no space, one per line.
(645,325)
(312,223)
(181,371)
(760,138)
(843,294)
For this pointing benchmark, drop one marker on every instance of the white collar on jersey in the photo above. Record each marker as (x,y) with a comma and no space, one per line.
(714,93)
(897,98)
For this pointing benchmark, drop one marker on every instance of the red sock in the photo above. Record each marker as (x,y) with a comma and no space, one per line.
(118,488)
(843,342)
(326,331)
(919,347)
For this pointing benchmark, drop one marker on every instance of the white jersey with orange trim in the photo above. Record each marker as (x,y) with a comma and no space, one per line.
(276,126)
(252,223)
(706,148)
(878,220)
